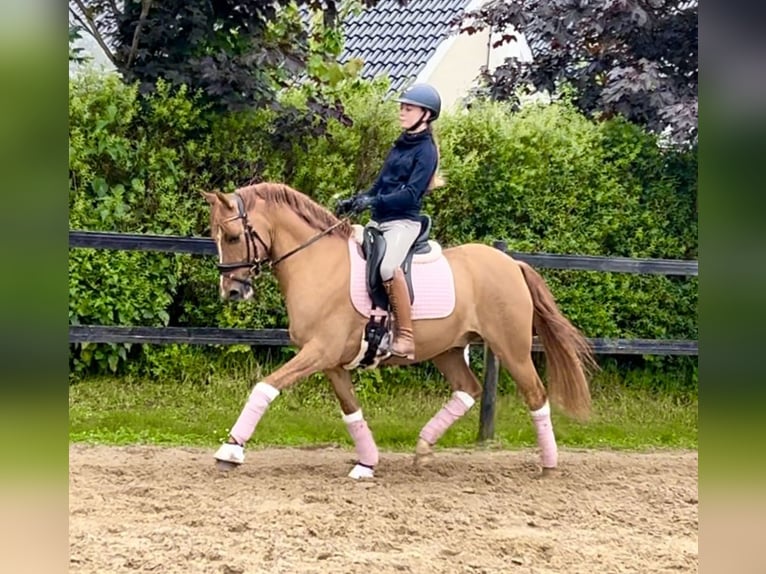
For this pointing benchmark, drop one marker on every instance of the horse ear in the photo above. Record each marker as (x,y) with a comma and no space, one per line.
(223,199)
(209,197)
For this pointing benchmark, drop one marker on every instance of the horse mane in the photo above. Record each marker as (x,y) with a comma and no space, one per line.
(304,207)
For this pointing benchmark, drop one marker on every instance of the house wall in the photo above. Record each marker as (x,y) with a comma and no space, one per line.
(456,65)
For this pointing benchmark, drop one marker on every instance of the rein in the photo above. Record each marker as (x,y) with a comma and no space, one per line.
(307,243)
(255,263)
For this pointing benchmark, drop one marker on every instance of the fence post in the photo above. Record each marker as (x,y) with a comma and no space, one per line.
(489,392)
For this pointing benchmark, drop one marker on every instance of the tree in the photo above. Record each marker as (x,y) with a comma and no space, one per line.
(76,52)
(238,54)
(637,58)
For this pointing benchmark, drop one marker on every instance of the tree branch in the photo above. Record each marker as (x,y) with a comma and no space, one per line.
(116,11)
(145,5)
(91,28)
(79,19)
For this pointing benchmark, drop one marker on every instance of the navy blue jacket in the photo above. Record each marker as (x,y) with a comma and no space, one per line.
(404,178)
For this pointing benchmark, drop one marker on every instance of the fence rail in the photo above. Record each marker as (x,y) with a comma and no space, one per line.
(279,337)
(138,242)
(205,246)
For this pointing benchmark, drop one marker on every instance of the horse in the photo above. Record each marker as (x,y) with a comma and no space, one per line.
(496,300)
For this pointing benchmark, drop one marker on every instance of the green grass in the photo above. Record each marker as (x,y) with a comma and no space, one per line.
(121,411)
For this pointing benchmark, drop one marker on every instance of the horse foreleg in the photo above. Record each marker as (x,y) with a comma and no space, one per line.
(465,389)
(309,360)
(366,449)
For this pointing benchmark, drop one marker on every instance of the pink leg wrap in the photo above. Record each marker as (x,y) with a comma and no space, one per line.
(546,440)
(457,406)
(366,449)
(259,401)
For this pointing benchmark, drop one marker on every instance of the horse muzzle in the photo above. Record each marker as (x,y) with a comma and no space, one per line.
(235,289)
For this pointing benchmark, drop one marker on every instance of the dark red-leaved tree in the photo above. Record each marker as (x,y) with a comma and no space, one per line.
(636,58)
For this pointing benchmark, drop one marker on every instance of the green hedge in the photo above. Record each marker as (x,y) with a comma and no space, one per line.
(544,179)
(547,179)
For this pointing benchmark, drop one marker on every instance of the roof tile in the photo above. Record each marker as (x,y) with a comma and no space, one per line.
(398,39)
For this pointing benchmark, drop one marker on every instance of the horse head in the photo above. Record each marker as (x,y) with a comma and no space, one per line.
(260,226)
(241,239)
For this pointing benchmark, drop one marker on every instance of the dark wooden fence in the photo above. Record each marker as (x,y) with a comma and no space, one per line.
(278,337)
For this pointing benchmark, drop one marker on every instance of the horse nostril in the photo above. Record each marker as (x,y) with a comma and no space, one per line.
(234,294)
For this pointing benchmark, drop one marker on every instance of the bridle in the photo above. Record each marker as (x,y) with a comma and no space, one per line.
(252,261)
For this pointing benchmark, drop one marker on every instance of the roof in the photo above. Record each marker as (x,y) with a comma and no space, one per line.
(399,40)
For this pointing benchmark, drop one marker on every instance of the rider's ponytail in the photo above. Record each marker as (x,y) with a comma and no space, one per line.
(438,178)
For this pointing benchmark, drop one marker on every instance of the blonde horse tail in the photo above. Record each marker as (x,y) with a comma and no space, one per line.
(569,357)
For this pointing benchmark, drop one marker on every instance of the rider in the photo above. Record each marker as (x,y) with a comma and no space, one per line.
(396,197)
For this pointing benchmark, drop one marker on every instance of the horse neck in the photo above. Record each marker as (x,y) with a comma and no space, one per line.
(301,274)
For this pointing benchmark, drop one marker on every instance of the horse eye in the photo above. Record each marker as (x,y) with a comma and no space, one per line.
(232,239)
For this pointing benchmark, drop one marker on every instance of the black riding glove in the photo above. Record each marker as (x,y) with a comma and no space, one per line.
(362,202)
(344,206)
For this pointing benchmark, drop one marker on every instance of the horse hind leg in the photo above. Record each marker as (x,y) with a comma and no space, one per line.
(516,357)
(465,390)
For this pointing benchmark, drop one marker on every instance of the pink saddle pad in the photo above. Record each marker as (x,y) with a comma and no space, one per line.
(432,282)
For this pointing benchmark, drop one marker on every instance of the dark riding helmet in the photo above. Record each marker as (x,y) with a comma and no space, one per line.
(425,96)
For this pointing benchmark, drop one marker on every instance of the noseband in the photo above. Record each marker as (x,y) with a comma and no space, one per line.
(253,262)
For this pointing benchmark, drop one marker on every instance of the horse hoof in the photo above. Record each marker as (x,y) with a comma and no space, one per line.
(225,465)
(361,471)
(422,460)
(549,472)
(229,456)
(423,453)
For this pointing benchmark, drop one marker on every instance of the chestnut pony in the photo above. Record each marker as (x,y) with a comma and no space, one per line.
(497,300)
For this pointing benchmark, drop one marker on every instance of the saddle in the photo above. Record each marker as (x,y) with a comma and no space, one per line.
(377,334)
(373,250)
